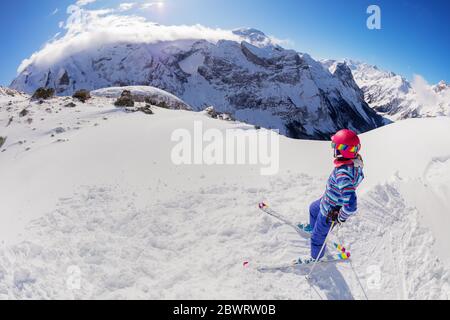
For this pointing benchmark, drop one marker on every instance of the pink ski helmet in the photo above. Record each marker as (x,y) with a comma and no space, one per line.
(346,144)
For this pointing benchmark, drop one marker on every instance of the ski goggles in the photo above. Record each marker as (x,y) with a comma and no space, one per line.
(344,147)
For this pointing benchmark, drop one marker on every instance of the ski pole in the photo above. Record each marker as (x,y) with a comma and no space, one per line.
(351,265)
(308,277)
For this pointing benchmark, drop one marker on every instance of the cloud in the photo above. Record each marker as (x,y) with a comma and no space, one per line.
(424,93)
(82,3)
(127,6)
(87,30)
(149,5)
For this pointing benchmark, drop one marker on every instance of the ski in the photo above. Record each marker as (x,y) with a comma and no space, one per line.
(300,263)
(265,208)
(299,228)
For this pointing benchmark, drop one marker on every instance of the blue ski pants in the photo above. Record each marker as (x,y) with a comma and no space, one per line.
(320,228)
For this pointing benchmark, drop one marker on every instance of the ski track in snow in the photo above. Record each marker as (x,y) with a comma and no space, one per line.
(124,251)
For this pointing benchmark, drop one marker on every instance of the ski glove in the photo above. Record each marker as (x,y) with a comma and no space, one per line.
(335,216)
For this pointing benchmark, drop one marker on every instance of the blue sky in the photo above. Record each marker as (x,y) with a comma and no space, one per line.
(414,38)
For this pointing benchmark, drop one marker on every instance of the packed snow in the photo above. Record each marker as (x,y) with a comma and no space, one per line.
(92,207)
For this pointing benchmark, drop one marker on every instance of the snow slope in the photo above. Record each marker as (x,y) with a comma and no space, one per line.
(91,192)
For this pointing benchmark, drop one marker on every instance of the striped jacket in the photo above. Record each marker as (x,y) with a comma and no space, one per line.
(341,190)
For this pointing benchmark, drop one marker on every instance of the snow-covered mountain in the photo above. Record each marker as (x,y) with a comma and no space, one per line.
(394,96)
(442,86)
(93,208)
(253,79)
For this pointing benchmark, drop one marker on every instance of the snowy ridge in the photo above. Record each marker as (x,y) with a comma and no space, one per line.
(293,91)
(141,93)
(102,196)
(7,92)
(393,95)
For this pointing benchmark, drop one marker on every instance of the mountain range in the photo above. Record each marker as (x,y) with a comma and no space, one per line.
(255,80)
(394,96)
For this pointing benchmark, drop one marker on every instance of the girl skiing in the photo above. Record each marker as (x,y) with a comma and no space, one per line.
(339,201)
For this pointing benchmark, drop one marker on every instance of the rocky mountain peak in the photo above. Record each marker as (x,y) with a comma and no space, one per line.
(441,86)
